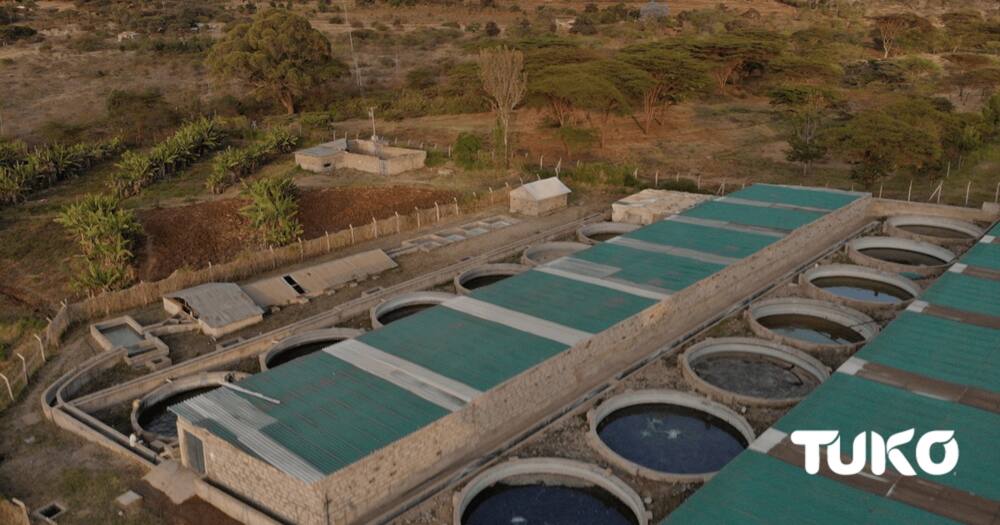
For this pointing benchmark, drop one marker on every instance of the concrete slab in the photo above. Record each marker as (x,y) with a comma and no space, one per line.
(171,479)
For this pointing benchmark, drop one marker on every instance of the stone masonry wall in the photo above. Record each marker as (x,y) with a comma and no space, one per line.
(253,480)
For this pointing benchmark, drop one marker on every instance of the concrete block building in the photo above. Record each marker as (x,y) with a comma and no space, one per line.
(539,197)
(362,155)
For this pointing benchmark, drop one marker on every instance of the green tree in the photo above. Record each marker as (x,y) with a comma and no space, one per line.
(806,110)
(880,144)
(590,89)
(674,77)
(278,54)
(273,210)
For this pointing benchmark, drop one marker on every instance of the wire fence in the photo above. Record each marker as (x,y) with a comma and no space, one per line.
(27,357)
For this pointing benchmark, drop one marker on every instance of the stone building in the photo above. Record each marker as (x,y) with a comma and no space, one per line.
(539,197)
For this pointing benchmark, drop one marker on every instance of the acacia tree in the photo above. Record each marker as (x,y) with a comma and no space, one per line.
(504,80)
(733,56)
(278,54)
(588,90)
(674,76)
(889,28)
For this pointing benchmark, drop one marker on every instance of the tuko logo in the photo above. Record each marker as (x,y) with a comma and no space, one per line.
(883,451)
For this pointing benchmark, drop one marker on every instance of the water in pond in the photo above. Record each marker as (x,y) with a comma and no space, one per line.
(900,256)
(401,312)
(158,420)
(541,504)
(756,376)
(291,354)
(671,438)
(483,280)
(934,231)
(121,335)
(810,329)
(863,289)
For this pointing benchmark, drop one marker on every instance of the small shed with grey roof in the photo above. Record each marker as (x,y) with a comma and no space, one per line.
(219,308)
(539,197)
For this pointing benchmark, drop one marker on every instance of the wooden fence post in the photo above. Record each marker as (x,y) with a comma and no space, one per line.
(24,367)
(397,222)
(329,248)
(351,226)
(10,391)
(909,191)
(968,188)
(437,211)
(375,226)
(41,346)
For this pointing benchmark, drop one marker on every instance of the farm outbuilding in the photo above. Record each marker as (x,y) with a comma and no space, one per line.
(362,155)
(539,197)
(219,308)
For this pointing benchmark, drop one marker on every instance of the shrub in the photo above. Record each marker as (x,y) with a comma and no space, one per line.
(186,145)
(492,29)
(466,150)
(273,210)
(11,34)
(105,233)
(233,164)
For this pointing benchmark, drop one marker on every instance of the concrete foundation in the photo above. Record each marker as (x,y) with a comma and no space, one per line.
(753,348)
(362,155)
(960,233)
(657,397)
(863,325)
(858,272)
(551,471)
(856,247)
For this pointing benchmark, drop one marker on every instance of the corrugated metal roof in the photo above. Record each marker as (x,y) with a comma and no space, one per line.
(333,413)
(542,189)
(218,304)
(809,197)
(965,292)
(755,489)
(853,405)
(775,218)
(939,348)
(439,339)
(702,238)
(928,351)
(983,255)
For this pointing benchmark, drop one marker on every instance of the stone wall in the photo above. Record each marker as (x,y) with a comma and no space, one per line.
(253,480)
(360,491)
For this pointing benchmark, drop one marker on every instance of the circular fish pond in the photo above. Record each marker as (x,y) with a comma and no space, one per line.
(596,232)
(863,288)
(894,254)
(810,325)
(932,229)
(301,345)
(751,371)
(485,275)
(667,435)
(405,305)
(550,251)
(550,491)
(150,418)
